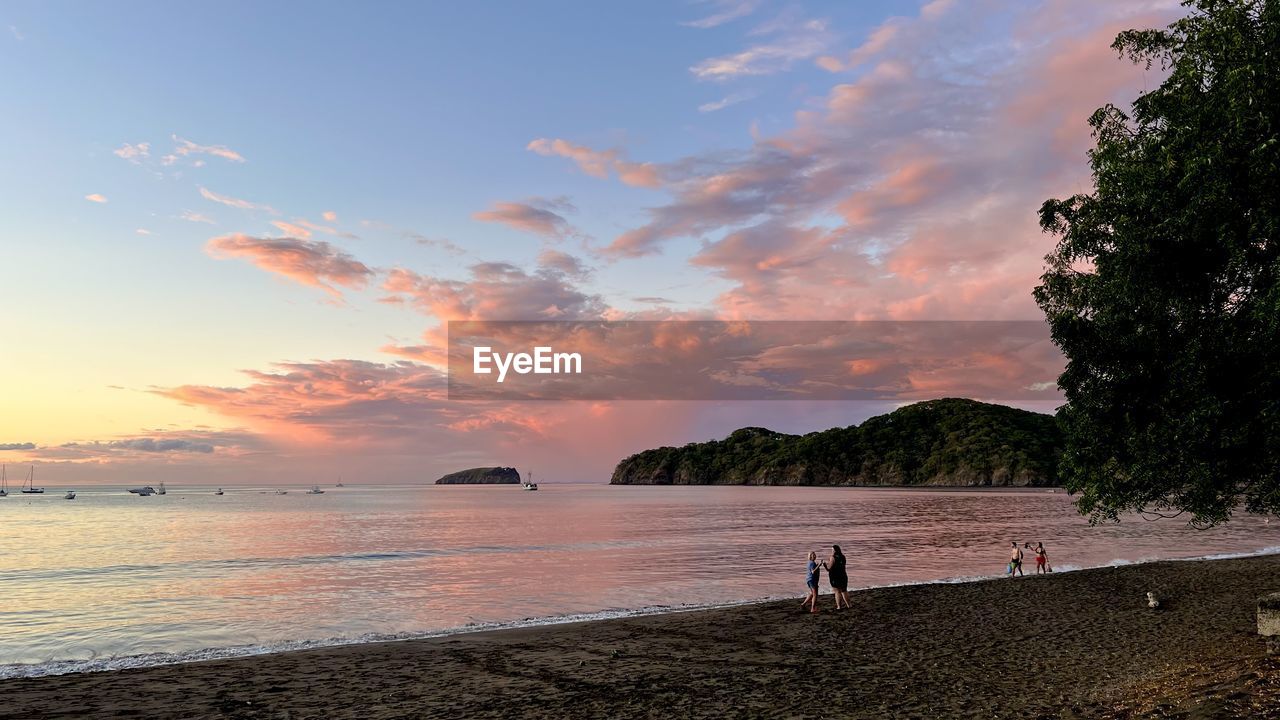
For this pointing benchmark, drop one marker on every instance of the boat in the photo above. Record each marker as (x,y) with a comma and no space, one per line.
(282,492)
(4,482)
(29,485)
(529,484)
(339,482)
(71,495)
(219,492)
(160,490)
(315,490)
(143,491)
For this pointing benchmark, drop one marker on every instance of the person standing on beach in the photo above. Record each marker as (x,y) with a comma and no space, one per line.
(814,575)
(1015,559)
(837,576)
(1042,559)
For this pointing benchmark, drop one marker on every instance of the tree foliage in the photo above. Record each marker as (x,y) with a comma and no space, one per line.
(1162,290)
(938,442)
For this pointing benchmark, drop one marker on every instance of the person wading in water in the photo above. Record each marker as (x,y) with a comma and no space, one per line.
(1015,559)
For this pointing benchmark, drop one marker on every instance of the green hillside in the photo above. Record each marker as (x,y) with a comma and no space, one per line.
(949,442)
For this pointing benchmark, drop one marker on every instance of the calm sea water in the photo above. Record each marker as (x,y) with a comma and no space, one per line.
(115,580)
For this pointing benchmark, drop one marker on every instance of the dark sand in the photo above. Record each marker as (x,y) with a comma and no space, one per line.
(1081,644)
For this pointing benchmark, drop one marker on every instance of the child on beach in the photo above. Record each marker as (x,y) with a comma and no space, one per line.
(814,574)
(1015,559)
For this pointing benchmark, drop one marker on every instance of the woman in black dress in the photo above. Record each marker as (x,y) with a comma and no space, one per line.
(838,576)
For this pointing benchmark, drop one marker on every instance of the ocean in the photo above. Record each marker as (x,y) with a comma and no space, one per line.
(112,580)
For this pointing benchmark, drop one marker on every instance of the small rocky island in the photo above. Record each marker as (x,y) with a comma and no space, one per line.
(482,476)
(949,442)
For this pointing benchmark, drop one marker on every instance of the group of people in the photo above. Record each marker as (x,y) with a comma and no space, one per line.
(1015,558)
(838,576)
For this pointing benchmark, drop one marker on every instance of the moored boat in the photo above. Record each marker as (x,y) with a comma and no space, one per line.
(29,485)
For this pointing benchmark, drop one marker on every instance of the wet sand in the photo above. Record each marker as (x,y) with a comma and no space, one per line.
(1080,644)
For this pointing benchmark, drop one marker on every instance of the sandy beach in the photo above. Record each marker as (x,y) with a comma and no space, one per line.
(1080,644)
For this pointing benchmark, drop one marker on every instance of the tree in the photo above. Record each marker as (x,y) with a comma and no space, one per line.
(1163,290)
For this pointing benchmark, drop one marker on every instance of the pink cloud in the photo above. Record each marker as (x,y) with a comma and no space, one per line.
(563,263)
(401,411)
(96,197)
(291,229)
(597,163)
(164,447)
(309,262)
(495,291)
(133,153)
(727,11)
(538,216)
(791,41)
(229,201)
(195,217)
(185,148)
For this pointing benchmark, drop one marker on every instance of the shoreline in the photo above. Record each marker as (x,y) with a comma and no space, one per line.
(160,659)
(1070,644)
(56,668)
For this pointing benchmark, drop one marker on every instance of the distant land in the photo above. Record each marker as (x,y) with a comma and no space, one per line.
(482,476)
(949,442)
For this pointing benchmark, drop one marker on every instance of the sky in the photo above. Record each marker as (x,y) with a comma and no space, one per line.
(233,234)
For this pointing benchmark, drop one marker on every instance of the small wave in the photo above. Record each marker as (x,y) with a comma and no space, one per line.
(104,664)
(1273,550)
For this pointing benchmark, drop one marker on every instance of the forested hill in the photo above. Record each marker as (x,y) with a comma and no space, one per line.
(482,476)
(949,442)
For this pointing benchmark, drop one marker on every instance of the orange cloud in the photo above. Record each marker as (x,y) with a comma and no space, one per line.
(291,229)
(312,263)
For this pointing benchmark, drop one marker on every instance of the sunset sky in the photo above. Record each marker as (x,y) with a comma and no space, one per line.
(233,232)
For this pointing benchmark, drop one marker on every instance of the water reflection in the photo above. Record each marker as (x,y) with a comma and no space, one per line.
(115,574)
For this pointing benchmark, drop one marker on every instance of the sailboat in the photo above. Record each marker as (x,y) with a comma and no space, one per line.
(219,492)
(71,495)
(29,486)
(339,482)
(4,482)
(529,484)
(160,491)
